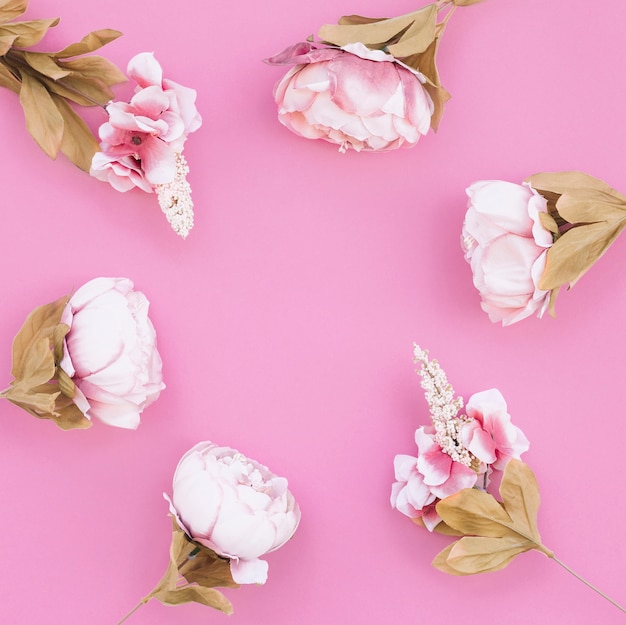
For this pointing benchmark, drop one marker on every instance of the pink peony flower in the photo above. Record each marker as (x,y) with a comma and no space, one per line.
(491,436)
(354,97)
(506,246)
(234,506)
(110,351)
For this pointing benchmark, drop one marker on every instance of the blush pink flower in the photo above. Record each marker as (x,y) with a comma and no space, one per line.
(110,351)
(491,436)
(409,494)
(354,97)
(506,246)
(234,506)
(443,475)
(140,140)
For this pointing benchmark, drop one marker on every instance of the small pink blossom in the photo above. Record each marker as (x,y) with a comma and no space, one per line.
(140,140)
(491,436)
(409,494)
(441,473)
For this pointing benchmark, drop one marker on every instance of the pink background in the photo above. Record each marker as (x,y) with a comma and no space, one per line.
(286,323)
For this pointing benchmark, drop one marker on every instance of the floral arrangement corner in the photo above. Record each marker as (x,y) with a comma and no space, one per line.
(141,144)
(446,488)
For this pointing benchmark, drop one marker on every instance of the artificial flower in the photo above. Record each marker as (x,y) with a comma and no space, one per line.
(459,450)
(526,241)
(369,84)
(93,354)
(228,511)
(483,440)
(142,142)
(506,245)
(354,97)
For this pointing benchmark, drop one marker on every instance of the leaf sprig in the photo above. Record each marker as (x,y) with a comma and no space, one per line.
(412,38)
(585,216)
(495,532)
(193,574)
(47,81)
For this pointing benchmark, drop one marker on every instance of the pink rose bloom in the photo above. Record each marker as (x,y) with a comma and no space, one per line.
(491,437)
(443,475)
(354,97)
(140,141)
(506,246)
(110,351)
(234,506)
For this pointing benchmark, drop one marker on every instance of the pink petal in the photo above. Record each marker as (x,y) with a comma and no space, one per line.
(145,70)
(249,571)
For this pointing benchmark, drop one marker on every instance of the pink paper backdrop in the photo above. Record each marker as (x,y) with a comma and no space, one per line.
(286,323)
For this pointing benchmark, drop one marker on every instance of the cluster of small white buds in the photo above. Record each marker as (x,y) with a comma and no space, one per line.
(175,199)
(444,408)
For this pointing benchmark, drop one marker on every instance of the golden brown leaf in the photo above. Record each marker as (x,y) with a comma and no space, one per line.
(78,143)
(43,120)
(199,594)
(474,512)
(494,533)
(548,222)
(521,499)
(39,324)
(95,67)
(466,3)
(373,33)
(43,63)
(93,41)
(199,569)
(69,417)
(27,33)
(571,181)
(472,555)
(80,89)
(440,528)
(8,80)
(588,206)
(356,20)
(576,251)
(10,9)
(6,42)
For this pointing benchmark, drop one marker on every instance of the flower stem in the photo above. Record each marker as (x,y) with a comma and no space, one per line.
(584,581)
(144,600)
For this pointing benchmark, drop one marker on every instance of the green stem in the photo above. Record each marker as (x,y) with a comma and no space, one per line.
(584,581)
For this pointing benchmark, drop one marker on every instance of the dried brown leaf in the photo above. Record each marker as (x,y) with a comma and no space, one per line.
(548,222)
(10,9)
(39,404)
(43,63)
(27,33)
(474,512)
(521,499)
(83,90)
(69,417)
(588,206)
(95,67)
(93,41)
(356,20)
(571,181)
(576,251)
(39,324)
(78,143)
(200,569)
(416,39)
(198,594)
(379,32)
(8,80)
(43,120)
(6,41)
(473,554)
